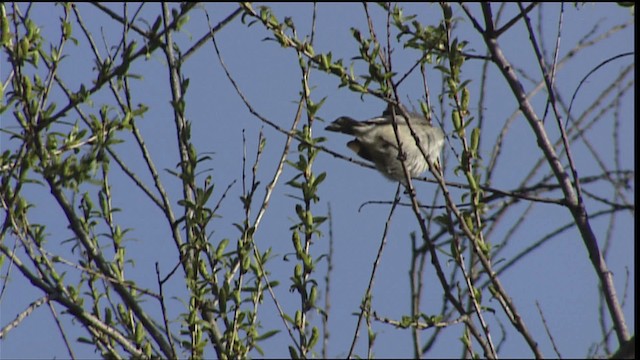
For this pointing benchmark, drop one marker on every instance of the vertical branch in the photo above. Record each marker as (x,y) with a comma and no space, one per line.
(327,289)
(178,107)
(190,255)
(469,153)
(415,283)
(270,186)
(305,231)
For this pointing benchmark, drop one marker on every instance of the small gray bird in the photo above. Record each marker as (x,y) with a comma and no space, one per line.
(375,141)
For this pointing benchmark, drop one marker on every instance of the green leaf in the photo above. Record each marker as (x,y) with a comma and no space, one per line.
(221,247)
(475,141)
(85,340)
(293,353)
(267,335)
(315,335)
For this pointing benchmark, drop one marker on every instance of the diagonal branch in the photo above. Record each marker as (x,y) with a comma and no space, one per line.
(573,203)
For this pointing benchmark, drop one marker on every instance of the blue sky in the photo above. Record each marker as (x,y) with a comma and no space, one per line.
(558,275)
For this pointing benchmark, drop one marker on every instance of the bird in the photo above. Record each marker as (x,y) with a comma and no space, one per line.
(376,142)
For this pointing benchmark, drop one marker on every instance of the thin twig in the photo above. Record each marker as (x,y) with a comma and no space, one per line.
(546,328)
(420,325)
(365,307)
(327,288)
(63,333)
(209,34)
(163,307)
(23,315)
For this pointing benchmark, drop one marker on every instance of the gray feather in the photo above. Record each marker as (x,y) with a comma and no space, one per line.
(375,140)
